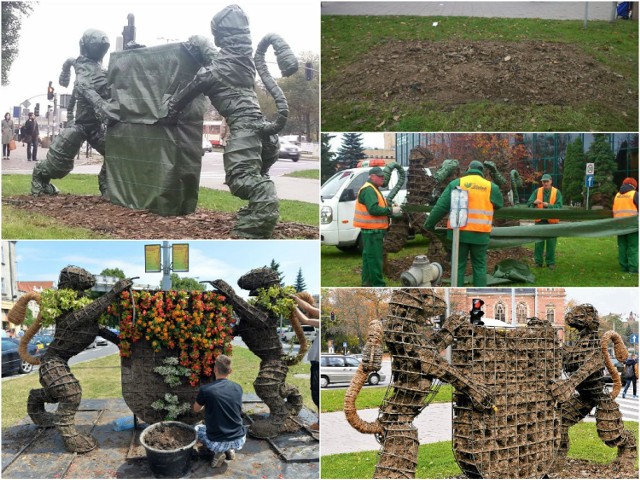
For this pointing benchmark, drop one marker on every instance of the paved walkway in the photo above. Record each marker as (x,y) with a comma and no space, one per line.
(547,10)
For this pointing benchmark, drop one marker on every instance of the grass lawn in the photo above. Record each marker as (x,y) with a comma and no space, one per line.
(313,174)
(580,262)
(332,400)
(21,224)
(346,38)
(435,460)
(100,378)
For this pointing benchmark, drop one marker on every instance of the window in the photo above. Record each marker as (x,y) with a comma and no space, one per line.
(351,362)
(521,313)
(499,312)
(551,314)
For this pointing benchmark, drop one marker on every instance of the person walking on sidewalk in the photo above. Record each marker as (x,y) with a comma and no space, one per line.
(372,217)
(625,204)
(546,196)
(223,432)
(7,135)
(630,375)
(31,135)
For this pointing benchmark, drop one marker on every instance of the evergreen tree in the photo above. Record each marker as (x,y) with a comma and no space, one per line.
(300,284)
(185,283)
(574,173)
(276,266)
(351,150)
(113,272)
(327,163)
(602,156)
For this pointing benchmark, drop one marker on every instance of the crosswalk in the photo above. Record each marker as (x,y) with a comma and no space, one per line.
(629,406)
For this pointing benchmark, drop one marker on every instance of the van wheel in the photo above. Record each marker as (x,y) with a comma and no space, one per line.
(374,379)
(324,382)
(25,367)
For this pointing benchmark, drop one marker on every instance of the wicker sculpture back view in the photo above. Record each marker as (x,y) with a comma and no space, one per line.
(75,330)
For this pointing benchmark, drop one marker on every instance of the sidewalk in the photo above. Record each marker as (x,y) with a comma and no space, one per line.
(288,188)
(546,10)
(32,452)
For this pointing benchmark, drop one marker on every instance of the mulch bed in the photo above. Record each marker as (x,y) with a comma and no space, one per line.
(102,217)
(454,72)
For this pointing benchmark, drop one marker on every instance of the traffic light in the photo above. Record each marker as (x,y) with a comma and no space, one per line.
(36,111)
(333,316)
(308,71)
(50,91)
(476,313)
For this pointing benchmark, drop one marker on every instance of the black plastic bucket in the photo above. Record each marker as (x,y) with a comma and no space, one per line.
(169,463)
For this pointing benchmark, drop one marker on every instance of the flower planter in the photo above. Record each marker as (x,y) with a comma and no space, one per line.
(167,462)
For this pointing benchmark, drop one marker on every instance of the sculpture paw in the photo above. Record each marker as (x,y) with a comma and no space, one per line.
(264,429)
(80,443)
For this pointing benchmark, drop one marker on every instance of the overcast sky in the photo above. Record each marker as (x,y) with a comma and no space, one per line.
(51,33)
(369,140)
(209,260)
(608,300)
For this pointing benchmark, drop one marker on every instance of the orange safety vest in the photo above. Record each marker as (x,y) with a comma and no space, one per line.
(552,201)
(480,209)
(363,218)
(623,205)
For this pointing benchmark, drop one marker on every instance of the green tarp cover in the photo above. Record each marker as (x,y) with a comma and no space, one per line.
(502,237)
(153,167)
(525,213)
(514,270)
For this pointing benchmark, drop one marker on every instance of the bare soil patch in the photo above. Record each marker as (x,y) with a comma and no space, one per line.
(575,468)
(453,72)
(100,216)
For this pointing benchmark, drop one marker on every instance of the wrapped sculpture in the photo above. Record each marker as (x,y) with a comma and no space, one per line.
(75,330)
(252,147)
(90,96)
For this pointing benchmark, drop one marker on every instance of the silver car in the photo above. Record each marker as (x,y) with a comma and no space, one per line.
(341,369)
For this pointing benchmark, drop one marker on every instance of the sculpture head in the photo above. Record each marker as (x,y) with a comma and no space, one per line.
(258,278)
(229,22)
(94,44)
(75,278)
(583,318)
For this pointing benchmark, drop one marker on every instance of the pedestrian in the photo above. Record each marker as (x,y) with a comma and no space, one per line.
(625,204)
(546,196)
(372,217)
(484,198)
(630,375)
(223,431)
(7,135)
(31,135)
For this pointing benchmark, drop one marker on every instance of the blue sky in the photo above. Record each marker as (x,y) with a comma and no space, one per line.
(209,260)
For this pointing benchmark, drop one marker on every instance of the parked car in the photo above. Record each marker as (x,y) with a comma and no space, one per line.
(342,368)
(206,145)
(289,150)
(11,361)
(101,341)
(290,336)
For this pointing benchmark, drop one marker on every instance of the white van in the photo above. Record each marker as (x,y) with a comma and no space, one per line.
(338,204)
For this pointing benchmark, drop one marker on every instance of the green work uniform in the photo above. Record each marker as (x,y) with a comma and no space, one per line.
(550,243)
(475,244)
(372,241)
(628,244)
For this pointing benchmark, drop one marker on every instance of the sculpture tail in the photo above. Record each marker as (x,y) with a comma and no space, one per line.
(621,354)
(401,178)
(371,361)
(288,64)
(17,316)
(65,74)
(295,324)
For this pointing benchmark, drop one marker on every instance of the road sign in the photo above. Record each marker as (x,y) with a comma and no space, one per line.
(344,344)
(591,168)
(588,181)
(633,338)
(459,208)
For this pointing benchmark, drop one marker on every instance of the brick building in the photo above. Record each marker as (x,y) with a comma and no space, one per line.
(546,303)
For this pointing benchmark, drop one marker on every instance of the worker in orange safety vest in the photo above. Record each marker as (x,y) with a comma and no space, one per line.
(546,196)
(625,204)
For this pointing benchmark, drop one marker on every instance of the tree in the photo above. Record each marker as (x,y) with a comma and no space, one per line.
(327,164)
(601,155)
(185,283)
(300,284)
(351,150)
(574,172)
(12,15)
(276,266)
(113,272)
